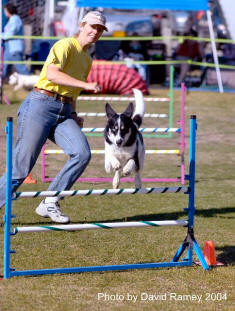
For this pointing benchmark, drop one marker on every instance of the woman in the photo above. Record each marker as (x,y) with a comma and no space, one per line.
(49,112)
(13,48)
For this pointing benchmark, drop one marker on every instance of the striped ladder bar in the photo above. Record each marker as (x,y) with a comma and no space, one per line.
(70,193)
(104,225)
(121,99)
(143,129)
(173,151)
(102,114)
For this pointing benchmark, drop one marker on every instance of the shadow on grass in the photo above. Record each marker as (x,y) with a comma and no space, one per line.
(160,216)
(216,211)
(176,215)
(227,255)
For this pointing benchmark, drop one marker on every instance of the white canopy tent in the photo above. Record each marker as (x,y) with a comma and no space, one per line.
(228,8)
(191,5)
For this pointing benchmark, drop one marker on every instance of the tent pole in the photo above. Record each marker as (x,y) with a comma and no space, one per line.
(215,55)
(1,51)
(81,14)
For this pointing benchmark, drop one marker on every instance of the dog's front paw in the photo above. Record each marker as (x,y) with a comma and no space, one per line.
(115,164)
(128,168)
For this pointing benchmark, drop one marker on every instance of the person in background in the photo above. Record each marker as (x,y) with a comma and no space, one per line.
(13,48)
(49,112)
(228,54)
(188,50)
(134,51)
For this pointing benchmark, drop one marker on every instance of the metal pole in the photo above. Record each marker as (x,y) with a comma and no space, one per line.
(182,132)
(171,95)
(192,157)
(215,55)
(7,220)
(1,54)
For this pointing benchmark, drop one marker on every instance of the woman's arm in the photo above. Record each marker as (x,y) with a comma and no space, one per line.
(55,75)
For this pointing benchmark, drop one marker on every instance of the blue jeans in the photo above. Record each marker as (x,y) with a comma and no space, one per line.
(40,117)
(17,56)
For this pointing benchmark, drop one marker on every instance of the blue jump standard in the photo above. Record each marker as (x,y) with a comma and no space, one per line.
(189,244)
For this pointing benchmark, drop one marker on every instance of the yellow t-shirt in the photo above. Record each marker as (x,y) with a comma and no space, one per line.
(68,55)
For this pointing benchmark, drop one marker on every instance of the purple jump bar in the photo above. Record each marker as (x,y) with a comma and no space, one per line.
(125,179)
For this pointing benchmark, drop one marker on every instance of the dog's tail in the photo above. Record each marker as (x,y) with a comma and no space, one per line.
(139,107)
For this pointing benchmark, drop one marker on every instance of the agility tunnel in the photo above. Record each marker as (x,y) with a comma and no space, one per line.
(116,79)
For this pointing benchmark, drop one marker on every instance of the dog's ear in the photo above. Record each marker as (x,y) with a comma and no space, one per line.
(129,110)
(109,111)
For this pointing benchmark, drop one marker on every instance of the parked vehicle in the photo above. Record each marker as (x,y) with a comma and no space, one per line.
(181,22)
(129,24)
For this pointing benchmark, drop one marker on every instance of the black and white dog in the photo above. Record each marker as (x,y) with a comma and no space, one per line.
(124,146)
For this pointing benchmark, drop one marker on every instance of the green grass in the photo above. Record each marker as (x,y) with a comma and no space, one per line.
(214,220)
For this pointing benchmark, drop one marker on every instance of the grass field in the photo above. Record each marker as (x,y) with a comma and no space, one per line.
(159,289)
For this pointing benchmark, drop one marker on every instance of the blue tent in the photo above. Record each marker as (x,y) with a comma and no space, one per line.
(185,5)
(191,5)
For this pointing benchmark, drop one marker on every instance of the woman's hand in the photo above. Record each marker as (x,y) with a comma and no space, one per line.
(93,86)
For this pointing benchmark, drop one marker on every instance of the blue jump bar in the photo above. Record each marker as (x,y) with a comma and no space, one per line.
(102,268)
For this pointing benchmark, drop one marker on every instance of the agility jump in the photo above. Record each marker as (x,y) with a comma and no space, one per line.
(95,131)
(189,244)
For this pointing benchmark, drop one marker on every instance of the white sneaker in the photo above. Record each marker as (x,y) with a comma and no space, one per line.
(52,210)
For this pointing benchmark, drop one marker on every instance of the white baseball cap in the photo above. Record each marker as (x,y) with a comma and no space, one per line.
(95,18)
